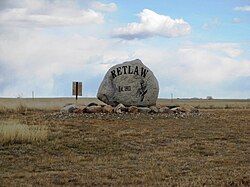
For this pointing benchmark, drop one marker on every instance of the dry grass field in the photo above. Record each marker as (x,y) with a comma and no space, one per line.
(212,149)
(57,103)
(12,132)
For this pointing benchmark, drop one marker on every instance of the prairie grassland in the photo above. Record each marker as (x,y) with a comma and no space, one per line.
(41,103)
(135,150)
(209,104)
(56,103)
(12,132)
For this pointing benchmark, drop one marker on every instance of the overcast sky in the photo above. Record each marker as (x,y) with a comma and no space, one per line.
(195,48)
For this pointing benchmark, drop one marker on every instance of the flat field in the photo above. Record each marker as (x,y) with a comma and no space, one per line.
(57,103)
(211,149)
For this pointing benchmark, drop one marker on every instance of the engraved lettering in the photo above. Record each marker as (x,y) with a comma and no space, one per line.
(129,70)
(127,88)
(113,74)
(124,88)
(136,70)
(144,72)
(141,92)
(120,89)
(119,72)
(124,69)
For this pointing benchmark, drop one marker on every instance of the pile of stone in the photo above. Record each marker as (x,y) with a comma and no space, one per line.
(121,109)
(129,87)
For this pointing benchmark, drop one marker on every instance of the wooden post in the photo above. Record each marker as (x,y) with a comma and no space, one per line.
(76,90)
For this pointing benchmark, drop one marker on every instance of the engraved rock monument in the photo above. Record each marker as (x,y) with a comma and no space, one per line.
(130,83)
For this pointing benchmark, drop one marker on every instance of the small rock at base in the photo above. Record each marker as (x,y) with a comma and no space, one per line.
(188,109)
(82,107)
(165,110)
(144,110)
(92,104)
(78,111)
(68,108)
(93,109)
(119,109)
(178,110)
(107,109)
(154,109)
(133,109)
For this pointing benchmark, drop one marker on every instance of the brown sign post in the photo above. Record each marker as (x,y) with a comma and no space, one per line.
(77,89)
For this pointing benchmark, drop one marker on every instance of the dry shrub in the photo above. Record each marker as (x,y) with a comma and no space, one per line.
(13,132)
(21,109)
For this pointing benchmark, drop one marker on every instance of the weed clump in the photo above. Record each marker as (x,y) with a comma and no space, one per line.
(12,132)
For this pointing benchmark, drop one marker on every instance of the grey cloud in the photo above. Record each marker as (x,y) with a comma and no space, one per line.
(37,13)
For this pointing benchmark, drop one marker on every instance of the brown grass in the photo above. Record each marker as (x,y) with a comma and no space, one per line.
(23,104)
(131,150)
(12,132)
(209,104)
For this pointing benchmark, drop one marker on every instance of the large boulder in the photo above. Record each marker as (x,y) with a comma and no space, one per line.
(130,83)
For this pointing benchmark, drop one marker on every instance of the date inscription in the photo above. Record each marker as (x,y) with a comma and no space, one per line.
(124,88)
